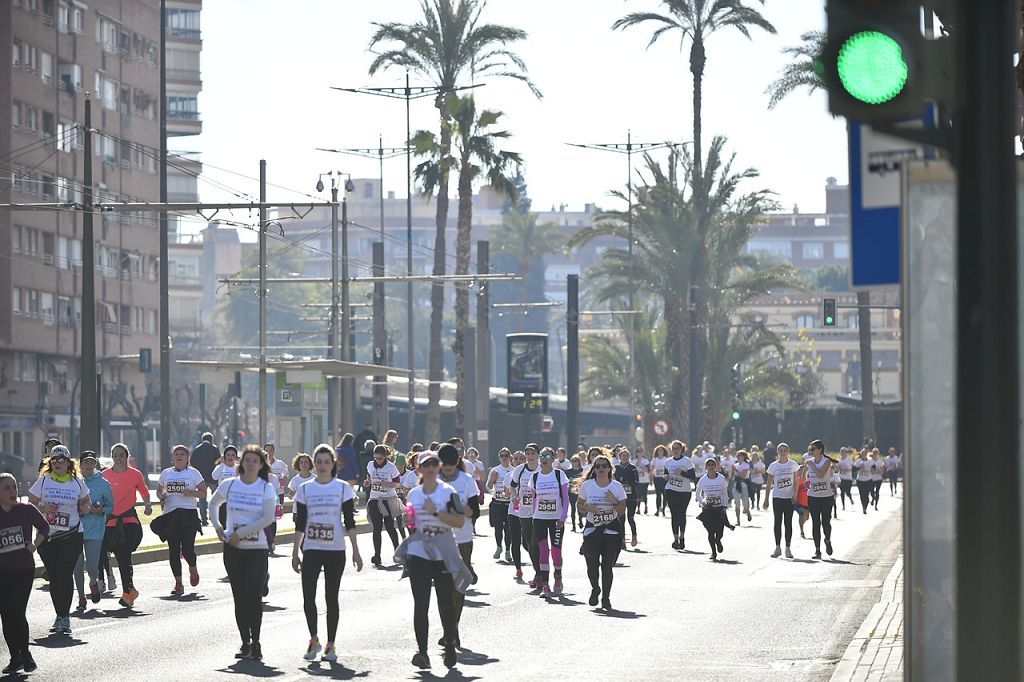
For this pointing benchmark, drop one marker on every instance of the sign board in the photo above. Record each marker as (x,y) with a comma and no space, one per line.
(527,363)
(145,360)
(287,395)
(661,427)
(481,434)
(527,404)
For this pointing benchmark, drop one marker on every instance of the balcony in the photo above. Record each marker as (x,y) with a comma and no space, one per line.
(186,33)
(184,76)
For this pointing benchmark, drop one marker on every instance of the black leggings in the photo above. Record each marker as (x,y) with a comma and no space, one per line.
(893,477)
(123,553)
(714,520)
(381,521)
(178,546)
(659,493)
(13,606)
(499,522)
(333,566)
(573,498)
(821,517)
(528,543)
(643,495)
(876,488)
(845,488)
(631,506)
(423,574)
(783,509)
(678,501)
(864,488)
(59,557)
(247,571)
(515,539)
(601,552)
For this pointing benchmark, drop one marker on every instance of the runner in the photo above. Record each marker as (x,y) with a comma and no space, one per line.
(323,505)
(660,480)
(431,557)
(17,570)
(821,497)
(499,504)
(93,525)
(251,499)
(680,471)
(179,489)
(476,469)
(123,533)
(515,526)
(712,495)
(63,498)
(550,509)
(726,468)
(803,486)
(603,500)
(382,478)
(643,467)
(629,476)
(522,498)
(862,466)
(562,461)
(782,483)
(740,483)
(227,467)
(453,472)
(836,482)
(279,471)
(406,482)
(302,463)
(701,454)
(757,468)
(892,470)
(575,474)
(845,470)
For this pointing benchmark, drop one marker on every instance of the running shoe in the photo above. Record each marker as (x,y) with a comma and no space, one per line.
(557,589)
(545,591)
(94,593)
(802,536)
(817,555)
(266,585)
(256,652)
(497,553)
(535,583)
(749,517)
(714,555)
(777,553)
(421,661)
(16,664)
(56,625)
(178,589)
(519,575)
(508,557)
(720,548)
(595,596)
(675,544)
(606,604)
(103,583)
(828,547)
(82,603)
(111,583)
(193,576)
(244,650)
(450,657)
(375,560)
(128,598)
(789,553)
(312,651)
(29,662)
(330,655)
(632,543)
(65,625)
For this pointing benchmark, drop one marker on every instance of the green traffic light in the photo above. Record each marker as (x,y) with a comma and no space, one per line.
(735,416)
(829,321)
(871,67)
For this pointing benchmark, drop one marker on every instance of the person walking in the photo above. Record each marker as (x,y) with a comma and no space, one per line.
(660,480)
(382,479)
(515,526)
(781,481)
(603,501)
(820,496)
(498,515)
(101,498)
(628,475)
(680,471)
(522,497)
(204,459)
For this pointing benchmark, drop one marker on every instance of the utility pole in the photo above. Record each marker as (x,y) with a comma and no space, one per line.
(333,402)
(349,384)
(380,383)
(164,456)
(262,438)
(572,370)
(483,353)
(89,414)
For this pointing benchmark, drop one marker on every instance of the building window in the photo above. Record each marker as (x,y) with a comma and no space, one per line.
(16,114)
(107,33)
(65,312)
(183,23)
(16,300)
(853,321)
(71,77)
(46,308)
(30,118)
(813,250)
(841,250)
(805,321)
(25,367)
(49,124)
(16,53)
(64,16)
(183,108)
(78,18)
(46,67)
(108,89)
(31,308)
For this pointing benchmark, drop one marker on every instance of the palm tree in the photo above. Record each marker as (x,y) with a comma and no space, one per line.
(697,20)
(523,237)
(448,42)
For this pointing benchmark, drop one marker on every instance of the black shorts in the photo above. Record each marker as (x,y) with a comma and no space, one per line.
(498,514)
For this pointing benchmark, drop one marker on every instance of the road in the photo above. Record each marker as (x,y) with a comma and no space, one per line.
(680,615)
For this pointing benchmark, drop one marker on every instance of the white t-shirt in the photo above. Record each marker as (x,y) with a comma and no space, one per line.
(870,470)
(477,469)
(223,472)
(245,506)
(820,487)
(699,462)
(643,466)
(564,464)
(428,524)
(63,514)
(523,477)
(297,480)
(741,470)
(501,493)
(175,484)
(784,475)
(726,465)
(675,468)
(602,514)
(407,481)
(658,464)
(549,494)
(713,492)
(845,465)
(325,525)
(378,477)
(892,463)
(465,486)
(279,468)
(757,472)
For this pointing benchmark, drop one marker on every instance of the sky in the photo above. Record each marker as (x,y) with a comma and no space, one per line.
(268,66)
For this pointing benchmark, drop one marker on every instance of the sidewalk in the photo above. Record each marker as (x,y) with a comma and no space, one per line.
(876,651)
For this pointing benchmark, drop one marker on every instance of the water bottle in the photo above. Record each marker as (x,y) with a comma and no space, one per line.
(278,512)
(410,517)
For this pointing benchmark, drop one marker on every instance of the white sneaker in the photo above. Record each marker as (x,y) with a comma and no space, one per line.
(777,553)
(111,582)
(330,655)
(311,652)
(789,554)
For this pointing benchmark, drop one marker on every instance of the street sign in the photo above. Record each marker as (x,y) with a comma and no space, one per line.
(661,427)
(527,363)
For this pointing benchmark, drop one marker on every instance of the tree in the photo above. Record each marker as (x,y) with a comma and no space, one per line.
(448,42)
(527,240)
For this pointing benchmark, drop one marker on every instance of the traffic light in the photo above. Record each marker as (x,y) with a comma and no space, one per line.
(735,379)
(876,63)
(828,306)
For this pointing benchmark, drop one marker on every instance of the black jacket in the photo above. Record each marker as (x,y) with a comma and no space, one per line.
(204,459)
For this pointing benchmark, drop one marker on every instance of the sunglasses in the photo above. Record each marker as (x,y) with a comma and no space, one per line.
(58,458)
(601,466)
(431,463)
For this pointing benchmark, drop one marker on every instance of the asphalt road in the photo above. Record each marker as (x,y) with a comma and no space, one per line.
(681,616)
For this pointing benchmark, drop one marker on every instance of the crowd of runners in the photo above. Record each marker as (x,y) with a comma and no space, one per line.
(82,520)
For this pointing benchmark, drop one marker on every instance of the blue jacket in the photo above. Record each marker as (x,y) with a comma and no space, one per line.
(94,525)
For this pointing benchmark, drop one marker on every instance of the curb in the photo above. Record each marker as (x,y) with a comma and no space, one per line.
(891,598)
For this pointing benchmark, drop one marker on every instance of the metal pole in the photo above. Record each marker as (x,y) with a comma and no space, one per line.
(332,383)
(348,385)
(263,305)
(90,400)
(99,410)
(632,292)
(469,414)
(572,352)
(696,402)
(483,354)
(987,596)
(164,456)
(408,256)
(380,356)
(380,154)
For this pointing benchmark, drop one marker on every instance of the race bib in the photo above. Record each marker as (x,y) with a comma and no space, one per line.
(59,520)
(783,483)
(602,517)
(526,500)
(252,537)
(547,506)
(627,488)
(713,500)
(12,539)
(676,482)
(320,532)
(432,530)
(403,491)
(501,495)
(175,488)
(378,487)
(819,486)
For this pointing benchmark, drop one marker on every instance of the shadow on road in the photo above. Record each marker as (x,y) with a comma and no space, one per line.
(251,669)
(452,674)
(270,608)
(58,641)
(615,613)
(118,612)
(475,604)
(729,562)
(190,597)
(470,657)
(335,671)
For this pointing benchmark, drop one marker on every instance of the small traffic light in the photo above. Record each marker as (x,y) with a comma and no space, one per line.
(828,306)
(735,415)
(145,360)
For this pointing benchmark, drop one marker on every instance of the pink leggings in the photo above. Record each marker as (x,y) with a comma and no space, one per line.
(548,534)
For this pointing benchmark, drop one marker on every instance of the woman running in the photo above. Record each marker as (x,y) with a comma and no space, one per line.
(680,471)
(712,495)
(17,570)
(179,489)
(845,469)
(325,511)
(431,558)
(864,484)
(877,473)
(406,482)
(782,484)
(94,521)
(453,472)
(820,497)
(63,498)
(499,504)
(892,470)
(740,481)
(756,482)
(575,474)
(303,464)
(515,526)
(803,485)
(603,500)
(550,509)
(643,468)
(382,478)
(123,533)
(522,497)
(227,467)
(251,499)
(629,476)
(660,480)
